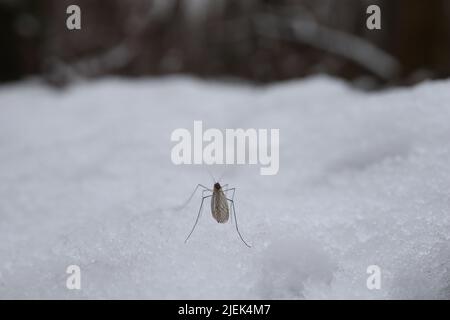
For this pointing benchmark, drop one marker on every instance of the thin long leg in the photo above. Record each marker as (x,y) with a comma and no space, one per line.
(203,192)
(190,198)
(235,219)
(231,189)
(203,196)
(198,216)
(232,198)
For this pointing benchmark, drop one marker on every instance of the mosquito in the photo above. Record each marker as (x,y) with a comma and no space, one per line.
(220,209)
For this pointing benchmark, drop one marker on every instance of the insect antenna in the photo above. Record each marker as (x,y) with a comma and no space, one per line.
(223,174)
(211,175)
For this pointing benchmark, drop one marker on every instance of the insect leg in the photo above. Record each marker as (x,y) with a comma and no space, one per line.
(203,196)
(190,198)
(232,198)
(203,192)
(235,219)
(231,189)
(198,216)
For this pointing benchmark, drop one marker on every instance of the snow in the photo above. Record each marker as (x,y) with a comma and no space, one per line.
(86,179)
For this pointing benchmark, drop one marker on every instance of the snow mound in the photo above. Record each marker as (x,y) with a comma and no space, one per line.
(86,179)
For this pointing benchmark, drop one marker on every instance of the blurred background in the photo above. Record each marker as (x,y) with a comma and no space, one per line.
(252,40)
(86,176)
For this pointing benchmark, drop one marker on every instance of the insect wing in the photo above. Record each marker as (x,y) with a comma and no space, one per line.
(219,206)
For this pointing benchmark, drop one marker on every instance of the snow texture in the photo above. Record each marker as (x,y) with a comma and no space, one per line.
(86,178)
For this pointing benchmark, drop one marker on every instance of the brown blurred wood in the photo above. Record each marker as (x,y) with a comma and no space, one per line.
(225,42)
(421,35)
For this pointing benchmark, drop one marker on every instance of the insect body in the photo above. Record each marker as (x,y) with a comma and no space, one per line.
(220,209)
(219,204)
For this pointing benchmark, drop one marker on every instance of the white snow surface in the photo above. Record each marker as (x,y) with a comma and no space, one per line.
(86,178)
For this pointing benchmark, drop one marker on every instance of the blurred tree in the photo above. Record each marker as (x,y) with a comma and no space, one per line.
(259,40)
(20,34)
(422,38)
